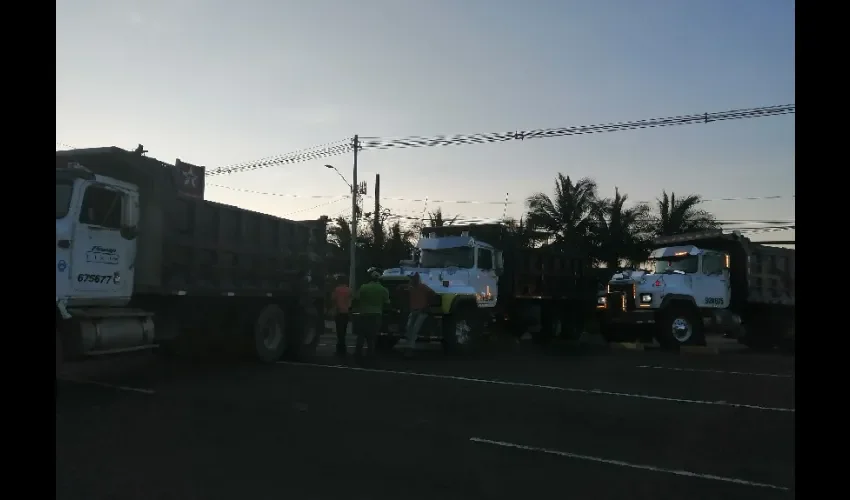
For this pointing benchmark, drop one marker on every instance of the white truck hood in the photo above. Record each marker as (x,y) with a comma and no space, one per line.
(458,280)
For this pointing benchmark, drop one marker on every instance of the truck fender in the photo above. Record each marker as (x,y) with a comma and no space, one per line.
(462,301)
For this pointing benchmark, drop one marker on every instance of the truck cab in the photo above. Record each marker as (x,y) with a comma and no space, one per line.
(686,289)
(464,274)
(96,219)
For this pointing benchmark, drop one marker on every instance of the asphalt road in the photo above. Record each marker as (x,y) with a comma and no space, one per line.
(518,424)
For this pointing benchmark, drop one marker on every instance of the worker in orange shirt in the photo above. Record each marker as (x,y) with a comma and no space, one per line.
(419,298)
(341,300)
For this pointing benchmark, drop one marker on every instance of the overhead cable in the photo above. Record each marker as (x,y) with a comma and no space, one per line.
(368,143)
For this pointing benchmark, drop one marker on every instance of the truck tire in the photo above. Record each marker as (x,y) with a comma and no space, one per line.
(269,339)
(551,328)
(680,325)
(305,334)
(608,332)
(461,331)
(760,333)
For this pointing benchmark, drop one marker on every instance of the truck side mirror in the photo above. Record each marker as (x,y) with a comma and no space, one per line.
(130,216)
(500,264)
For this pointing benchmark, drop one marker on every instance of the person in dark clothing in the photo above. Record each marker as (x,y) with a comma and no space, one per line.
(341,299)
(372,297)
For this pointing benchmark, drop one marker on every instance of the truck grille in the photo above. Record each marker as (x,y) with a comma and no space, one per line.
(627,290)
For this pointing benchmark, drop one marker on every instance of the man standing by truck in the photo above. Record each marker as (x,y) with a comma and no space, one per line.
(419,295)
(341,299)
(371,299)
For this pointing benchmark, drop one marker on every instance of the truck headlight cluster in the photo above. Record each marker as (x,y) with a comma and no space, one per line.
(601,301)
(645,298)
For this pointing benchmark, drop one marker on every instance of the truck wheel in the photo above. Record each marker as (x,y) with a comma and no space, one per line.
(608,333)
(551,328)
(461,331)
(759,334)
(269,334)
(305,334)
(680,326)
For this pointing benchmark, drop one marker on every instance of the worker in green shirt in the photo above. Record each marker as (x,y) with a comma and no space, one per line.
(371,299)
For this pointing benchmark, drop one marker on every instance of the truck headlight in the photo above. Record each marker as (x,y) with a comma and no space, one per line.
(645,298)
(601,301)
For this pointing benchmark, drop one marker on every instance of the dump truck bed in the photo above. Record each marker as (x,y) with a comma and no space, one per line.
(190,245)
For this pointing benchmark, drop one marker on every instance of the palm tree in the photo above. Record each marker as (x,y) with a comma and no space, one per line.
(398,246)
(621,232)
(570,215)
(676,216)
(435,219)
(339,234)
(521,234)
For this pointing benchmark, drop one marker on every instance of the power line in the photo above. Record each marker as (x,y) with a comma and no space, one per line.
(275,157)
(315,207)
(314,153)
(375,143)
(281,195)
(472,202)
(776,225)
(443,140)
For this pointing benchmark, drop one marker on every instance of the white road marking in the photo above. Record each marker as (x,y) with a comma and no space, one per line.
(109,386)
(621,463)
(721,372)
(547,387)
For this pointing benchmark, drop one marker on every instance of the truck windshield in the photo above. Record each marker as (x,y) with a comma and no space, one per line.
(64,190)
(688,264)
(447,257)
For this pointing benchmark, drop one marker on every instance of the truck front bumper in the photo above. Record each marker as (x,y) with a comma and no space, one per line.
(626,318)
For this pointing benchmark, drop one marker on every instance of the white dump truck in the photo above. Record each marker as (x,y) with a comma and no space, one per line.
(700,283)
(142,260)
(483,283)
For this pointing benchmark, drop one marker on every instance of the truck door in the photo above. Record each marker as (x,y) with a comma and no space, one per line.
(101,258)
(712,285)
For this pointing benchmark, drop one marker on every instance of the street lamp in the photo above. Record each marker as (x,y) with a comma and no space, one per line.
(352,268)
(341,177)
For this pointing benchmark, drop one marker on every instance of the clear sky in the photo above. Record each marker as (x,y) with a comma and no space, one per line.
(218,82)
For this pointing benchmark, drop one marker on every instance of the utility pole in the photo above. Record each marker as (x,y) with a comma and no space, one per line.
(377,228)
(352,270)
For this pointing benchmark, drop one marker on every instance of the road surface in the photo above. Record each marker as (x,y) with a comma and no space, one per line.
(511,424)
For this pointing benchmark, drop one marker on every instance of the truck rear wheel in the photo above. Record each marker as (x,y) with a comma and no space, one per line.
(305,333)
(678,326)
(552,326)
(270,334)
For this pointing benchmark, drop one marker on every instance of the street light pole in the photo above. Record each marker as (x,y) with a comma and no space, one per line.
(352,270)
